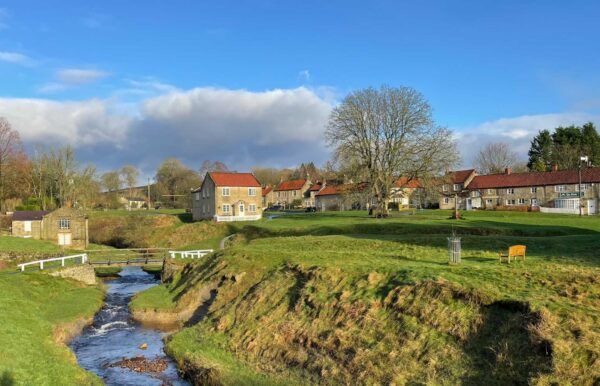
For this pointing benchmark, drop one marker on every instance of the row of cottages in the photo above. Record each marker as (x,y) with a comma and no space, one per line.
(291,193)
(66,227)
(226,196)
(555,191)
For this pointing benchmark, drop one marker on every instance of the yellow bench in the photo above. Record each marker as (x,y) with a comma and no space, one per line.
(514,252)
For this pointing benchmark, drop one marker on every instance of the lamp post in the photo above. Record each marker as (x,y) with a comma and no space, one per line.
(581,160)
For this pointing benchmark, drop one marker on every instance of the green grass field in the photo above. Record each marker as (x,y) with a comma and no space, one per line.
(32,306)
(333,295)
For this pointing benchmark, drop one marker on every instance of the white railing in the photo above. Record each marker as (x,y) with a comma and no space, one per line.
(191,254)
(559,210)
(83,257)
(238,218)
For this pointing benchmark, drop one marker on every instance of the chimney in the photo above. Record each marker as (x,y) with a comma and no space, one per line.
(554,167)
(507,171)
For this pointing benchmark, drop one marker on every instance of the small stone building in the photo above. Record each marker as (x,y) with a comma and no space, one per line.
(65,226)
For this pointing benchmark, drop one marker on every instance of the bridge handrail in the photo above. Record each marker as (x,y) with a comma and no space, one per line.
(191,254)
(62,259)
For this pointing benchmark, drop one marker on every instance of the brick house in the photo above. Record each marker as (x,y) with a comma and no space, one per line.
(556,190)
(287,193)
(226,196)
(65,226)
(310,200)
(343,197)
(453,188)
(404,191)
(268,196)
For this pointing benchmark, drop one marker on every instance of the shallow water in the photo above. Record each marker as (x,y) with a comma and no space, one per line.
(114,336)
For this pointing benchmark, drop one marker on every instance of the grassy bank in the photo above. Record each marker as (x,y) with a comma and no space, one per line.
(344,298)
(37,311)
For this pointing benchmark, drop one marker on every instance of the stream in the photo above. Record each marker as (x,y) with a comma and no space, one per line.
(114,336)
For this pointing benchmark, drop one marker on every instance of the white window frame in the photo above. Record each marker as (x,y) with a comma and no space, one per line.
(251,192)
(64,224)
(533,189)
(27,226)
(475,193)
(522,201)
(197,196)
(226,208)
(489,201)
(584,187)
(251,207)
(491,191)
(560,188)
(446,200)
(510,191)
(456,187)
(445,188)
(225,192)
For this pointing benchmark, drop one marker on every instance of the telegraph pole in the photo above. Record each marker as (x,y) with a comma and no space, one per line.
(581,160)
(148,207)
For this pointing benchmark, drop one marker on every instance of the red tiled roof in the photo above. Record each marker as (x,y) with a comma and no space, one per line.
(344,188)
(315,188)
(290,185)
(460,176)
(234,179)
(404,182)
(266,190)
(514,180)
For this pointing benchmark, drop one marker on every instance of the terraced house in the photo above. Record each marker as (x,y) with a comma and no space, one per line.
(291,193)
(453,188)
(557,191)
(225,196)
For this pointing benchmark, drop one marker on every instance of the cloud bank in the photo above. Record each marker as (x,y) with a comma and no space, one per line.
(239,127)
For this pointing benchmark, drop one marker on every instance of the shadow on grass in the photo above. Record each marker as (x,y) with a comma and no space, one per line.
(7,379)
(502,351)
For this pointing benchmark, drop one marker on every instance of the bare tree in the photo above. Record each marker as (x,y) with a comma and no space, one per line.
(388,133)
(10,145)
(495,158)
(130,175)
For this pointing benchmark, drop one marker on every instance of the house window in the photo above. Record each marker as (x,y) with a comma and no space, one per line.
(252,191)
(197,196)
(27,226)
(445,188)
(491,191)
(560,188)
(534,202)
(64,223)
(510,191)
(584,187)
(252,208)
(294,193)
(457,187)
(226,208)
(225,192)
(534,190)
(446,200)
(521,201)
(489,201)
(511,202)
(475,193)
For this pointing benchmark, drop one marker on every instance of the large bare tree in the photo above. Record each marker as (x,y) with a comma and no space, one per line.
(495,158)
(387,133)
(10,146)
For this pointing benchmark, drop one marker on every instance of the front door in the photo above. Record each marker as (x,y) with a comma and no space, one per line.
(241,210)
(534,202)
(64,239)
(592,206)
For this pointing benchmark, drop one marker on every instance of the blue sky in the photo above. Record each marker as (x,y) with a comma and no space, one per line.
(491,70)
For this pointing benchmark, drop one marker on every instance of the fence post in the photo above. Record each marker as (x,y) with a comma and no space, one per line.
(62,262)
(41,265)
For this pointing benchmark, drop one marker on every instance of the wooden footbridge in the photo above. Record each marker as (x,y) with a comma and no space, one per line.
(116,258)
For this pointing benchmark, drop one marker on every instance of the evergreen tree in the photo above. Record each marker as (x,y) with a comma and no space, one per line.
(540,153)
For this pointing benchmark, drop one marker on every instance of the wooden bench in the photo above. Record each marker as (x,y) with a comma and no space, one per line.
(514,252)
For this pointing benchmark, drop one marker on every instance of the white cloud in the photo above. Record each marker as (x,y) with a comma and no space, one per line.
(242,128)
(517,132)
(15,58)
(77,76)
(85,123)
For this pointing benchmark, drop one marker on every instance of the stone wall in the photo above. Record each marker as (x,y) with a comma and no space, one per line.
(83,273)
